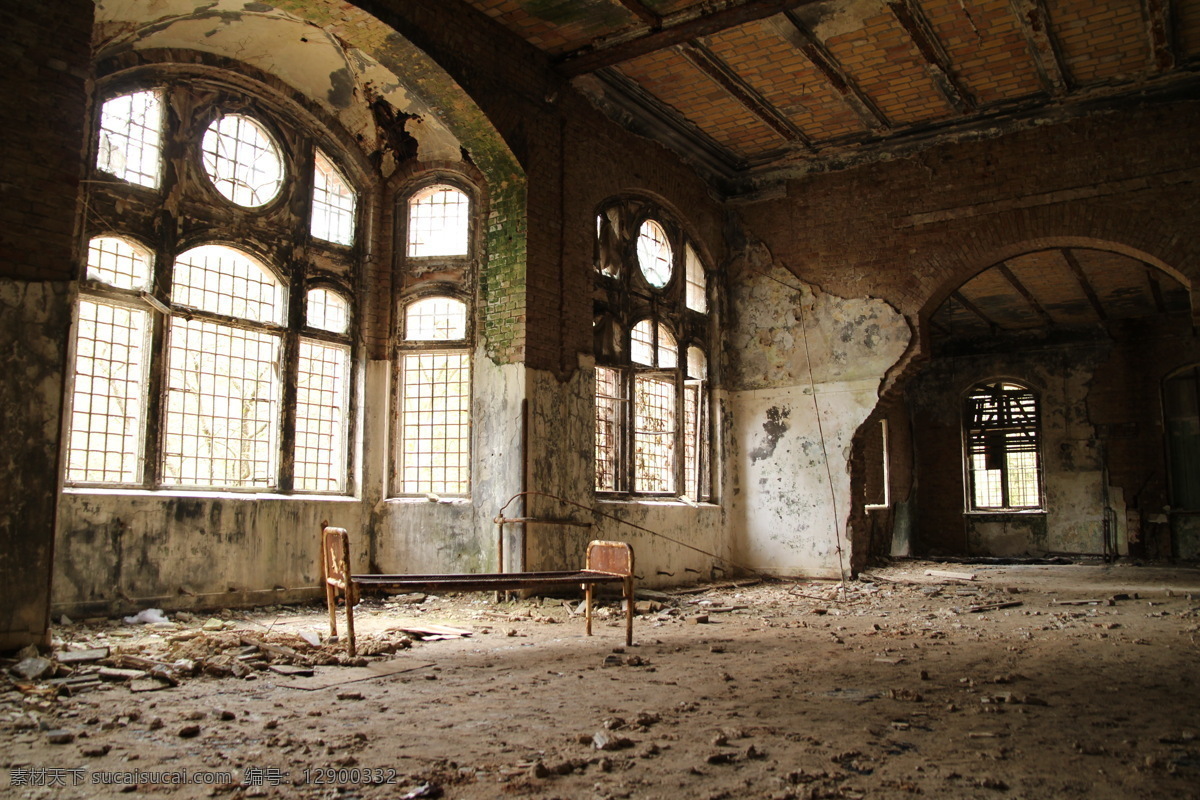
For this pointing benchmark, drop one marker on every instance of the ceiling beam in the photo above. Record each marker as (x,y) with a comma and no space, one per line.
(640,10)
(1025,293)
(974,309)
(793,29)
(711,65)
(937,63)
(1160,25)
(1085,284)
(638,110)
(1035,23)
(597,56)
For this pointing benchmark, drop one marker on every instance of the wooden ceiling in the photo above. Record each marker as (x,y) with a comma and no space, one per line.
(1051,291)
(750,91)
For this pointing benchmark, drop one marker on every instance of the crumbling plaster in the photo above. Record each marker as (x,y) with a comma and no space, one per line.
(804,370)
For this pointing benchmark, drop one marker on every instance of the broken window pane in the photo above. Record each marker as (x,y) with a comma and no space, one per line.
(130,138)
(242,161)
(118,263)
(654,254)
(1003,447)
(653,434)
(438,222)
(333,203)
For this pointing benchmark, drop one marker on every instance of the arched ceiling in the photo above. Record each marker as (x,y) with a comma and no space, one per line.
(1069,289)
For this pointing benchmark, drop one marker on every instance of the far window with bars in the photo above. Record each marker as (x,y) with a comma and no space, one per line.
(131,138)
(333,203)
(1002,443)
(434,425)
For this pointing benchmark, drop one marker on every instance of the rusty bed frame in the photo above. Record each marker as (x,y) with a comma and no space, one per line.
(607,562)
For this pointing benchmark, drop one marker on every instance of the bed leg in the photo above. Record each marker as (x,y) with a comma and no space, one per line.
(628,610)
(587,594)
(350,595)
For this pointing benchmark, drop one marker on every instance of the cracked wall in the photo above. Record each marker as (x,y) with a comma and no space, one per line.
(804,371)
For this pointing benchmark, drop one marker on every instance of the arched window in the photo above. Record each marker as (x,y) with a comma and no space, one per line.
(439,219)
(222,371)
(434,377)
(652,331)
(1001,435)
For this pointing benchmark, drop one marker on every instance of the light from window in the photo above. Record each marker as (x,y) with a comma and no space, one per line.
(222,280)
(438,222)
(654,254)
(643,349)
(697,291)
(610,415)
(222,406)
(242,161)
(697,364)
(695,430)
(653,434)
(321,416)
(327,311)
(332,203)
(118,263)
(1002,447)
(435,426)
(436,319)
(130,138)
(104,438)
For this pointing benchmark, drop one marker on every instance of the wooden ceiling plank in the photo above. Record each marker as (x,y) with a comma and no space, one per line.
(974,309)
(1093,298)
(1025,293)
(591,58)
(937,62)
(711,65)
(1160,24)
(643,12)
(1035,24)
(793,29)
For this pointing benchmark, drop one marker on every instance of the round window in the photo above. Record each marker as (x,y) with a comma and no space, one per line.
(242,161)
(654,254)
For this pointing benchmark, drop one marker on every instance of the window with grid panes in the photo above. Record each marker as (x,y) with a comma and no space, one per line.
(1003,450)
(434,379)
(229,366)
(651,332)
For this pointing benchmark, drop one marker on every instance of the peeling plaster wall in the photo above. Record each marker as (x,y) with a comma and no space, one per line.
(804,371)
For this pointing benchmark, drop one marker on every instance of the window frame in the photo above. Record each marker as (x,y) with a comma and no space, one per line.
(405,347)
(624,298)
(974,444)
(404,219)
(269,233)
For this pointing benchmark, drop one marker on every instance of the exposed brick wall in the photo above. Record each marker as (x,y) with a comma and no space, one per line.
(45,59)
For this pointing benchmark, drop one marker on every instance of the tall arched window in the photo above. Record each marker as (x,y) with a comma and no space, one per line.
(207,355)
(651,338)
(1001,435)
(433,343)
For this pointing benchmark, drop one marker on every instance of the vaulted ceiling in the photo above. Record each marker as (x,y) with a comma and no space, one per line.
(749,91)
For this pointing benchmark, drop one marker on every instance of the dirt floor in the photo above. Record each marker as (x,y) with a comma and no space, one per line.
(1029,681)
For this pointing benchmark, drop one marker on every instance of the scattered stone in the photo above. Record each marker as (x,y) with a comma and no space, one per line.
(699,619)
(721,758)
(602,740)
(539,770)
(32,668)
(94,750)
(349,696)
(189,731)
(60,736)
